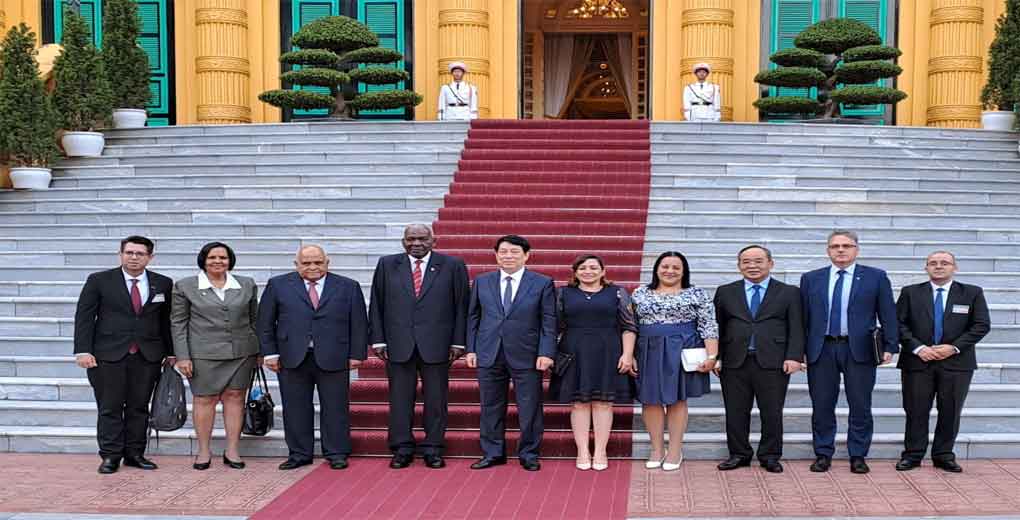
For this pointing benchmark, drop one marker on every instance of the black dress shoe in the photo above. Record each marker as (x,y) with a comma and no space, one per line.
(948,465)
(202,466)
(140,462)
(232,464)
(488,462)
(821,464)
(772,466)
(531,465)
(435,461)
(292,463)
(339,463)
(401,460)
(109,465)
(734,463)
(907,464)
(857,465)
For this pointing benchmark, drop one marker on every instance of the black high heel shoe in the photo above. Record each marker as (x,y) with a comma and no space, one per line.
(232,464)
(202,466)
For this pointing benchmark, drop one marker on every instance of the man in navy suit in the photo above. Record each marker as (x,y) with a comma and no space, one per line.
(841,304)
(511,335)
(313,328)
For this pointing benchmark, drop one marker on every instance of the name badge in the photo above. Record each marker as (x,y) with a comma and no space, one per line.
(159,298)
(961,309)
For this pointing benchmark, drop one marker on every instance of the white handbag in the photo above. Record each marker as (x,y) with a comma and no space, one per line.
(693,358)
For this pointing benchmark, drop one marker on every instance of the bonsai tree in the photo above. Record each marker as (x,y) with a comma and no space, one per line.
(335,51)
(27,121)
(122,57)
(82,96)
(1002,91)
(843,58)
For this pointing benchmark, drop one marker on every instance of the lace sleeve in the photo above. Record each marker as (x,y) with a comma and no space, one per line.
(625,312)
(707,326)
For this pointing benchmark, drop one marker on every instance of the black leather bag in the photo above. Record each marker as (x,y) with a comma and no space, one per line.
(168,410)
(877,348)
(562,362)
(258,407)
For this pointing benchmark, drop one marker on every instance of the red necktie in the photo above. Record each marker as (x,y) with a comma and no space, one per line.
(416,277)
(136,304)
(313,295)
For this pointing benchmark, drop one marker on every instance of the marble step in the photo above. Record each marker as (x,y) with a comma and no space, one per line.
(802,129)
(765,138)
(251,159)
(243,199)
(451,143)
(338,212)
(682,180)
(260,168)
(808,147)
(94,186)
(749,155)
(354,137)
(723,167)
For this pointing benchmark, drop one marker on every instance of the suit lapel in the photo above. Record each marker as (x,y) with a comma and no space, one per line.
(768,297)
(822,290)
(495,292)
(328,290)
(928,303)
(430,271)
(402,270)
(527,282)
(738,293)
(122,289)
(298,284)
(855,287)
(955,295)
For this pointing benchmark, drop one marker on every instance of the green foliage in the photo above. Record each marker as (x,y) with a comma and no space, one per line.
(372,55)
(836,35)
(379,75)
(386,99)
(867,71)
(788,105)
(312,57)
(318,77)
(867,95)
(791,77)
(339,34)
(298,99)
(28,123)
(871,52)
(1002,90)
(82,98)
(794,57)
(125,61)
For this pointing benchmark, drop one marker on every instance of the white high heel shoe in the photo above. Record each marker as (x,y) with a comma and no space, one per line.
(654,464)
(669,466)
(600,466)
(583,466)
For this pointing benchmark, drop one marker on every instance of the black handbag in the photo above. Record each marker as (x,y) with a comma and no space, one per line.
(877,347)
(562,362)
(168,410)
(258,408)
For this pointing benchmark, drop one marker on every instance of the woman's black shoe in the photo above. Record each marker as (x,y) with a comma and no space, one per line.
(232,464)
(202,466)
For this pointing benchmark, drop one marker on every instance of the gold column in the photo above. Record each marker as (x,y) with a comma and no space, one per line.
(464,36)
(955,63)
(222,69)
(707,35)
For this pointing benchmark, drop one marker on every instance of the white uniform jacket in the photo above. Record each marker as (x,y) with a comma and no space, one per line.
(702,102)
(458,102)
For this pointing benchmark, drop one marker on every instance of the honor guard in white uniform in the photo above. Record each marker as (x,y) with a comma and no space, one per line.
(702,100)
(458,100)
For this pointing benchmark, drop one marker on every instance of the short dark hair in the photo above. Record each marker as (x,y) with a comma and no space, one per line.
(513,240)
(150,246)
(685,279)
(206,249)
(768,253)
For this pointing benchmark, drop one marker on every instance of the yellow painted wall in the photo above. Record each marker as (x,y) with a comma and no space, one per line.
(13,12)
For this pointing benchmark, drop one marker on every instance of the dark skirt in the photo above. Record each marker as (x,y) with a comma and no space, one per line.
(661,377)
(593,375)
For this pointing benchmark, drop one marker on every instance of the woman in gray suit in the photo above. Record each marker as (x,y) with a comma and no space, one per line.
(213,320)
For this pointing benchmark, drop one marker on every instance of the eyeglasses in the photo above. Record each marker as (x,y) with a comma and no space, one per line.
(842,246)
(134,253)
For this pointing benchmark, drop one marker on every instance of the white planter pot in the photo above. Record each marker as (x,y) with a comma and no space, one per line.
(129,118)
(83,144)
(31,178)
(998,120)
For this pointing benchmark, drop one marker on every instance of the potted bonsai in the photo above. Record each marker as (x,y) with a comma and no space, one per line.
(334,51)
(27,121)
(82,96)
(125,60)
(1002,91)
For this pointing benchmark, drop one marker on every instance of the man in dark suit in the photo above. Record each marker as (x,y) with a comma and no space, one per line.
(841,304)
(511,336)
(418,316)
(941,322)
(761,342)
(313,328)
(121,335)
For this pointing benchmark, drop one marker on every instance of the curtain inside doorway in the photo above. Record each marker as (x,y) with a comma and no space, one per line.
(618,65)
(624,45)
(559,50)
(567,56)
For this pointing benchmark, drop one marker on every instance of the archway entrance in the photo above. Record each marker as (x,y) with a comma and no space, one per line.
(585,59)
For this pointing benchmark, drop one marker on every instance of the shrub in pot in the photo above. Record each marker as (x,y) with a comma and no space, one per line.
(82,97)
(124,60)
(1002,91)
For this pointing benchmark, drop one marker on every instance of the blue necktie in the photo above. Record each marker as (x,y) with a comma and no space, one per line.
(936,338)
(836,308)
(755,304)
(508,293)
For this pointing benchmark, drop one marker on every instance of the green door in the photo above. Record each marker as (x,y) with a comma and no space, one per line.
(873,13)
(386,18)
(302,13)
(787,20)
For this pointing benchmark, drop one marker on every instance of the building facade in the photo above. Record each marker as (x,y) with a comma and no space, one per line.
(545,58)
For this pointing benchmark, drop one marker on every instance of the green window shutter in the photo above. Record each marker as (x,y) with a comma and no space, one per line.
(386,19)
(91,10)
(873,13)
(789,18)
(304,12)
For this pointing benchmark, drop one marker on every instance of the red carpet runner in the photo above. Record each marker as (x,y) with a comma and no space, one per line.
(569,187)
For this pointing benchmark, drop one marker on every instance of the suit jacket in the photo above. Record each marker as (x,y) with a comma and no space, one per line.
(916,312)
(870,297)
(206,327)
(527,330)
(105,323)
(778,328)
(287,324)
(432,321)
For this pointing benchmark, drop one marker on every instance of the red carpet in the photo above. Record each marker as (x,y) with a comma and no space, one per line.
(369,489)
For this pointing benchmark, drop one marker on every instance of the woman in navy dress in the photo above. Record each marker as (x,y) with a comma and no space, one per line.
(597,326)
(672,315)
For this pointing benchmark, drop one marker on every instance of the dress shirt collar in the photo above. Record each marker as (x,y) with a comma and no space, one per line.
(319,284)
(142,278)
(748,284)
(935,287)
(516,276)
(205,283)
(834,270)
(424,260)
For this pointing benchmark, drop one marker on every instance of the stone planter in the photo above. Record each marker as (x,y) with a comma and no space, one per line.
(83,144)
(129,118)
(998,120)
(31,178)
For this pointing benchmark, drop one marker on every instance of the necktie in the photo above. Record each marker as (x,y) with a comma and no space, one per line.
(136,304)
(313,295)
(836,308)
(755,304)
(508,293)
(936,338)
(416,277)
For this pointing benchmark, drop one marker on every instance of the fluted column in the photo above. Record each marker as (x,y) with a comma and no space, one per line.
(955,63)
(222,68)
(708,36)
(464,36)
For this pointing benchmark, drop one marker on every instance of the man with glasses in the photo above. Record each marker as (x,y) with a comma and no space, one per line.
(941,321)
(121,335)
(841,304)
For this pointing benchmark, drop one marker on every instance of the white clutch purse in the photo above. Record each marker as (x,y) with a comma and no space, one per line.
(693,357)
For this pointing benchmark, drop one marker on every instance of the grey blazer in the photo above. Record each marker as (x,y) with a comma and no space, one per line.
(206,328)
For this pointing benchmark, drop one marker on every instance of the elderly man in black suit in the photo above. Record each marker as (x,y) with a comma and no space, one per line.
(418,317)
(941,321)
(121,335)
(761,342)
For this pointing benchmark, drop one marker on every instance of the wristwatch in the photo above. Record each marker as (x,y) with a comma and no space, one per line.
(712,357)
